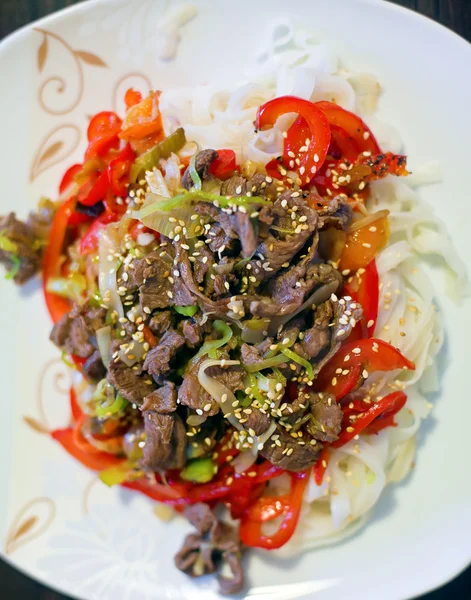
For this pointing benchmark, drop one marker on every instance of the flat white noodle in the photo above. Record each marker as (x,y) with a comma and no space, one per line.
(290,62)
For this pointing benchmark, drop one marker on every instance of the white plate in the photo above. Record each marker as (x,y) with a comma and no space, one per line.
(96,543)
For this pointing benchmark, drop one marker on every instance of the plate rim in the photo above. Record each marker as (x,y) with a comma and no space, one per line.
(82,7)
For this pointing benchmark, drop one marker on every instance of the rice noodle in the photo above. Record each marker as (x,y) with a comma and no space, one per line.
(290,62)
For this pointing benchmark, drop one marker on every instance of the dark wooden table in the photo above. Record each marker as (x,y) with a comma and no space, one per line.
(455,14)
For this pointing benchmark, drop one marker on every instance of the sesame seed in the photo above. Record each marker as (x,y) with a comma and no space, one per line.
(366,135)
(366,245)
(356,350)
(169,294)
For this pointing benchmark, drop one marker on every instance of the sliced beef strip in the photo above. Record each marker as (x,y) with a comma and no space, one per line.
(162,400)
(128,381)
(157,361)
(76,331)
(346,313)
(191,393)
(317,337)
(160,322)
(156,290)
(328,417)
(277,251)
(192,332)
(236,225)
(214,541)
(338,213)
(26,248)
(203,263)
(218,238)
(165,441)
(297,457)
(203,161)
(253,354)
(256,420)
(234,186)
(93,368)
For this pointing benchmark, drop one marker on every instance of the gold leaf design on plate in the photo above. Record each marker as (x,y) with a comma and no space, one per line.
(90,58)
(36,425)
(60,381)
(60,94)
(51,151)
(42,53)
(30,522)
(57,146)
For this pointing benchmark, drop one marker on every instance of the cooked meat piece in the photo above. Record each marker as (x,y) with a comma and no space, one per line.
(327,417)
(128,380)
(192,332)
(203,263)
(290,289)
(234,186)
(317,337)
(165,441)
(24,247)
(160,322)
(291,455)
(162,400)
(257,420)
(251,355)
(76,332)
(203,551)
(203,161)
(219,239)
(156,290)
(259,184)
(39,220)
(193,395)
(159,358)
(237,226)
(346,313)
(93,368)
(338,213)
(277,251)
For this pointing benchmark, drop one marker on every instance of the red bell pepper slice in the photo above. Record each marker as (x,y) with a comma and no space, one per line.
(57,305)
(364,289)
(385,408)
(118,171)
(319,136)
(98,461)
(267,508)
(321,465)
(357,132)
(102,133)
(156,491)
(98,190)
(68,177)
(132,97)
(225,165)
(89,241)
(149,337)
(251,531)
(369,354)
(74,406)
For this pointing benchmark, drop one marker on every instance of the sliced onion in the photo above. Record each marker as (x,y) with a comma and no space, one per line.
(108,247)
(262,439)
(103,338)
(217,390)
(137,352)
(369,220)
(252,331)
(195,420)
(244,461)
(322,294)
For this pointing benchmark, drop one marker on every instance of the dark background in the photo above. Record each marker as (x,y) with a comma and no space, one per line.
(455,14)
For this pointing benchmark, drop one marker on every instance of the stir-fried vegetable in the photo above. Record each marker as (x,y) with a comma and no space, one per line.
(199,470)
(151,158)
(208,347)
(167,204)
(300,360)
(103,337)
(274,361)
(186,311)
(118,474)
(72,287)
(196,179)
(363,243)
